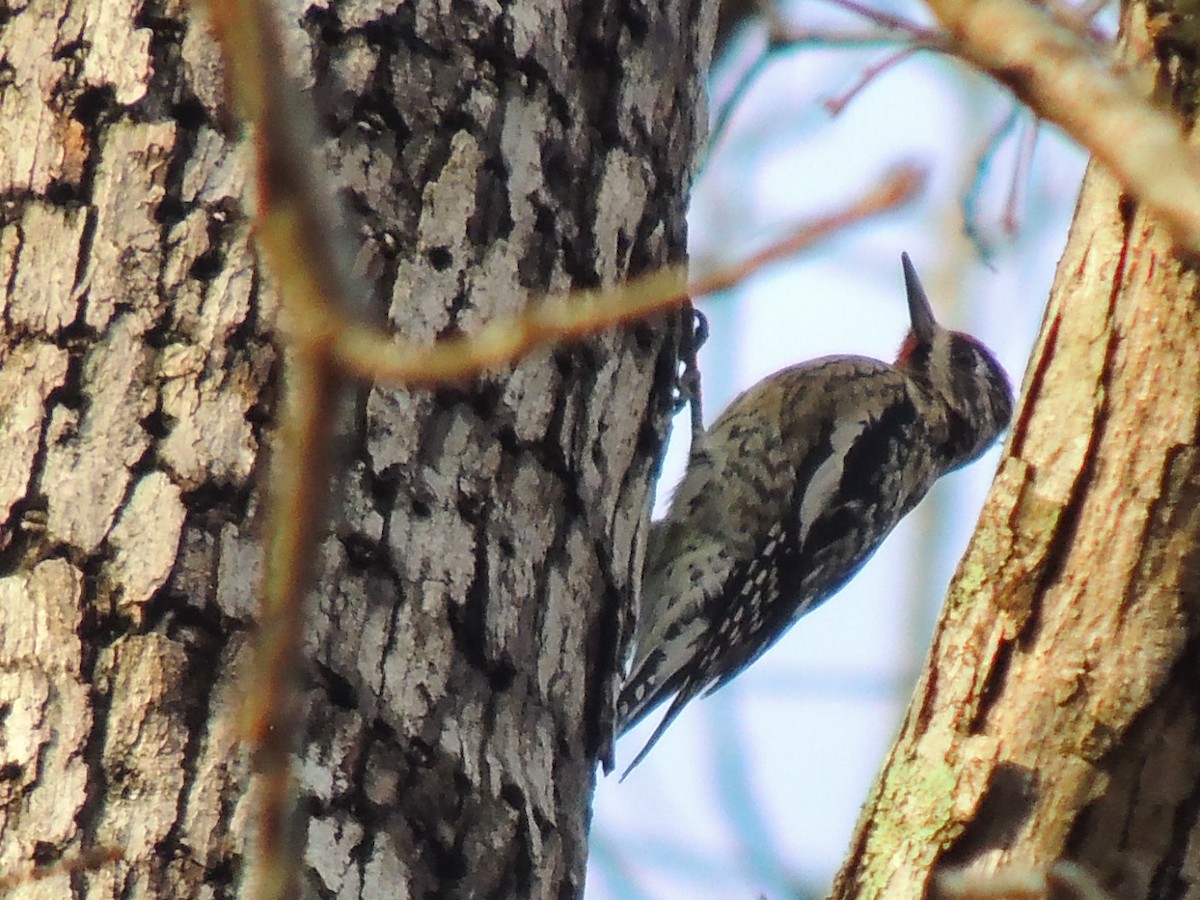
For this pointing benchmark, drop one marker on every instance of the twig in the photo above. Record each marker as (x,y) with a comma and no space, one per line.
(367,353)
(784,40)
(900,186)
(886,19)
(297,228)
(836,105)
(1058,75)
(1020,176)
(736,96)
(983,165)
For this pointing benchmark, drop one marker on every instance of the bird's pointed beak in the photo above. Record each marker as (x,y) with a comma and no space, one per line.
(924,325)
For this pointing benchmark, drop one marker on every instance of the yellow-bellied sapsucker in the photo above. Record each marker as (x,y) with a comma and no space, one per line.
(790,491)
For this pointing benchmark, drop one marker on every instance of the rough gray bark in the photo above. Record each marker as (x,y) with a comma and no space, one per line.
(483,555)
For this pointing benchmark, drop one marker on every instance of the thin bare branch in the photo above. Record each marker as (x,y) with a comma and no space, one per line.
(367,353)
(784,38)
(1011,220)
(897,188)
(1058,74)
(835,105)
(297,229)
(886,19)
(972,218)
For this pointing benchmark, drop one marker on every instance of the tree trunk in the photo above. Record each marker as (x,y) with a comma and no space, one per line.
(483,557)
(1057,717)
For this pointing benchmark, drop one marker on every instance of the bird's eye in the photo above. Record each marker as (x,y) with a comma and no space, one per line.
(963,355)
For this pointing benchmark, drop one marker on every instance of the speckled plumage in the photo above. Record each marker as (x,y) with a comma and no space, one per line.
(790,491)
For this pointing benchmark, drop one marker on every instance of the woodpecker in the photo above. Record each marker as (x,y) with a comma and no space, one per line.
(789,493)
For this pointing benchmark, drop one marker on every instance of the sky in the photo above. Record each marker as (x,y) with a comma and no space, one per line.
(754,791)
